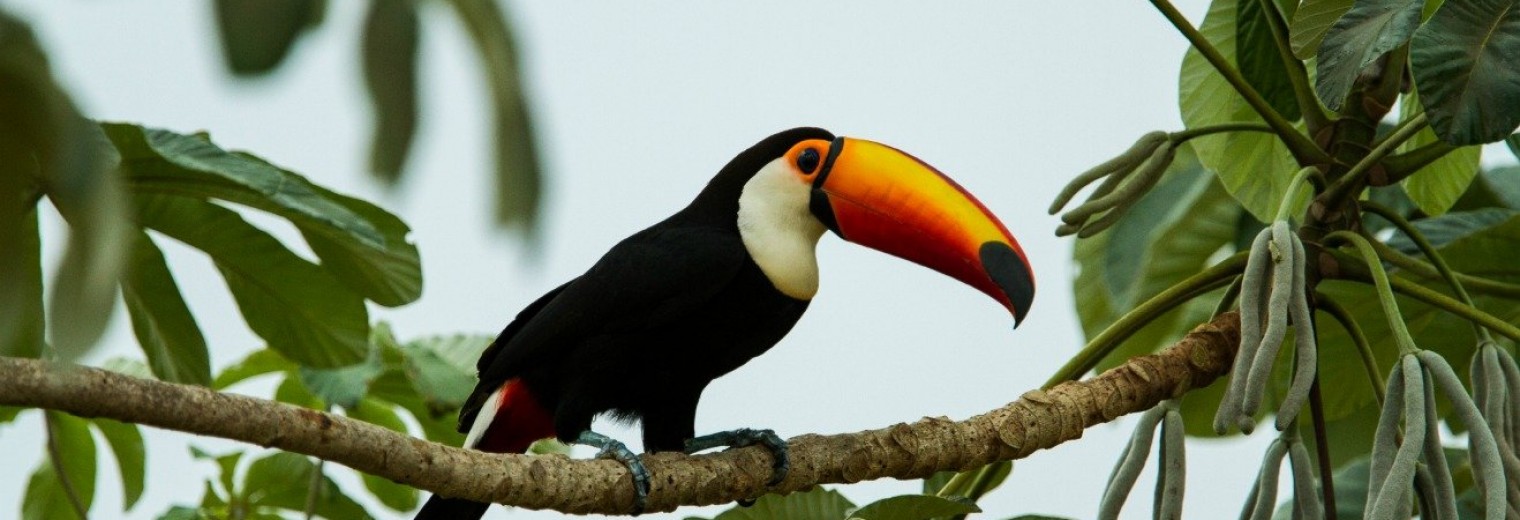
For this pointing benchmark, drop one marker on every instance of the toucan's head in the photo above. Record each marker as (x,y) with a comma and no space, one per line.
(799,182)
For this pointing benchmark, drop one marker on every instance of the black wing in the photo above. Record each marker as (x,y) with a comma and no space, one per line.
(656,277)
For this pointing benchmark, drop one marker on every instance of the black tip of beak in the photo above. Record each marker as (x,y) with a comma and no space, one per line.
(1009,272)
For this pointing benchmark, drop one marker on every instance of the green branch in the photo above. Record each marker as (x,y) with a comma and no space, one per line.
(1424,270)
(1185,135)
(1303,149)
(1400,166)
(1433,298)
(1359,339)
(1406,129)
(1384,288)
(1314,117)
(1127,325)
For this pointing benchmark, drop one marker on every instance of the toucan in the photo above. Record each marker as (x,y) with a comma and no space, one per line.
(671,308)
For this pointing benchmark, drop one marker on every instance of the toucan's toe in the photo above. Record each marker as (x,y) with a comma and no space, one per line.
(613,449)
(781,460)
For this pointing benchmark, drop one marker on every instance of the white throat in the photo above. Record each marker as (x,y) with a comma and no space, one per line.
(779,230)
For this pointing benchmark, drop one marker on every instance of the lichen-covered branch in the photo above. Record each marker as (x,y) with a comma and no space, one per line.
(1037,420)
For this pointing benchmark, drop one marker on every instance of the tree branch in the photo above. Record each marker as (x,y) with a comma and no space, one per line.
(1038,420)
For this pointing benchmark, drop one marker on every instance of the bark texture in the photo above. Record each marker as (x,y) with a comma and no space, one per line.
(1039,419)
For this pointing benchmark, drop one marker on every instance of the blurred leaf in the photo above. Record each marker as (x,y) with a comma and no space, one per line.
(281,480)
(1038,517)
(258,363)
(1505,184)
(1255,167)
(257,34)
(343,386)
(814,504)
(45,496)
(913,507)
(126,443)
(293,304)
(129,367)
(165,329)
(1439,184)
(518,174)
(1258,58)
(227,465)
(183,513)
(361,244)
(390,74)
(549,446)
(22,325)
(1362,35)
(47,147)
(291,391)
(443,368)
(398,497)
(439,422)
(1467,71)
(9,413)
(1311,21)
(1513,141)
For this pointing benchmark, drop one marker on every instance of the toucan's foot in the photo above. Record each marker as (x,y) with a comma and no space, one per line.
(748,437)
(612,449)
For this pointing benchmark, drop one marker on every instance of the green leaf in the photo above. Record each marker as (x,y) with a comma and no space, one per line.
(9,413)
(183,513)
(398,497)
(282,480)
(1038,517)
(517,166)
(1311,21)
(258,363)
(1447,228)
(443,367)
(1259,60)
(1134,263)
(817,503)
(1437,186)
(1504,182)
(1254,166)
(293,304)
(937,481)
(390,74)
(1350,491)
(126,442)
(45,496)
(362,245)
(291,391)
(1367,31)
(22,325)
(1467,71)
(165,329)
(343,386)
(258,34)
(1513,141)
(913,507)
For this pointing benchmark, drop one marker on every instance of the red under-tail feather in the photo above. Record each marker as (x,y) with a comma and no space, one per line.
(517,422)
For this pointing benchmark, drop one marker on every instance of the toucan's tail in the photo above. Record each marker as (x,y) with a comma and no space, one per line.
(509,421)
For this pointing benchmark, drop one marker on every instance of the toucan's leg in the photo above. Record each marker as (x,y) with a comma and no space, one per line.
(748,437)
(612,449)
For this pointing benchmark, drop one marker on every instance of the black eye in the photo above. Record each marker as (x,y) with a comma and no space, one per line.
(807,161)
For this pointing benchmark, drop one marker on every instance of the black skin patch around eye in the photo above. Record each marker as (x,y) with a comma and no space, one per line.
(807,161)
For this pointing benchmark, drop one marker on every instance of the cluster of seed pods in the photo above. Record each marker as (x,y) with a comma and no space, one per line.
(1126,179)
(1271,292)
(1263,497)
(1171,474)
(1496,393)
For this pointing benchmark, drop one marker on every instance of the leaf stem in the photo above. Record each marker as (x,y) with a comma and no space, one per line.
(1430,252)
(1400,166)
(55,457)
(1436,299)
(1406,129)
(1285,207)
(1423,269)
(1142,315)
(1304,150)
(1384,289)
(1185,135)
(1314,116)
(1358,338)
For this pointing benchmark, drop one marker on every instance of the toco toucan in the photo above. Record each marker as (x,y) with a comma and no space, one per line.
(674,306)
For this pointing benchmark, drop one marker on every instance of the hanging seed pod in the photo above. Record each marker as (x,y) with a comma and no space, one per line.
(1389,495)
(1254,283)
(1266,303)
(1126,179)
(1171,470)
(1306,349)
(1488,467)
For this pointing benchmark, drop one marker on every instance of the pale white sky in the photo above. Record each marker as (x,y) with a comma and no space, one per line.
(638,104)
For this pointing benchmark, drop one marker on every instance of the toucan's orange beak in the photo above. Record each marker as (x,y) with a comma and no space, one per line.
(880,197)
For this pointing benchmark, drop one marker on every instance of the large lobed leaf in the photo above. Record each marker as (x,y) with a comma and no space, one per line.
(1255,167)
(258,34)
(1368,30)
(165,329)
(1439,184)
(1257,55)
(364,247)
(296,306)
(1311,21)
(1467,70)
